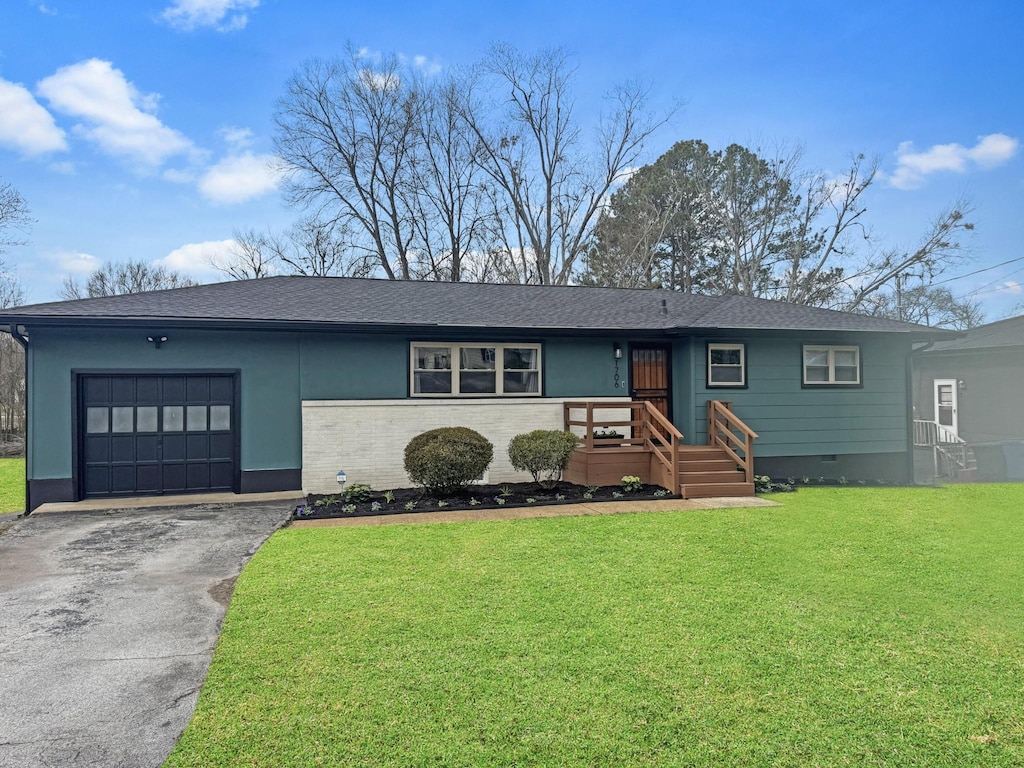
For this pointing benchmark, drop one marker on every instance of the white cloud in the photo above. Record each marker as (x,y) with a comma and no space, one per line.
(235,137)
(196,259)
(428,67)
(74,262)
(46,10)
(116,116)
(65,167)
(1010,288)
(913,168)
(25,125)
(222,15)
(239,178)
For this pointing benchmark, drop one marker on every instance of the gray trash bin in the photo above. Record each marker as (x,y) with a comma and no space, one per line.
(991,461)
(1013,456)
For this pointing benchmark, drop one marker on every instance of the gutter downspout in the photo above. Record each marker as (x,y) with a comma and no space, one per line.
(20,334)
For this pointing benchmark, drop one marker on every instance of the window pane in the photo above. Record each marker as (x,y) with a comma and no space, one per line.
(121,420)
(432,382)
(433,358)
(846,357)
(521,358)
(197,418)
(96,420)
(145,418)
(725,356)
(477,382)
(846,374)
(521,381)
(732,374)
(220,417)
(477,358)
(816,357)
(173,418)
(817,373)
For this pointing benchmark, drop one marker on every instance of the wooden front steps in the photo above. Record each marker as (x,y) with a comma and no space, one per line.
(706,471)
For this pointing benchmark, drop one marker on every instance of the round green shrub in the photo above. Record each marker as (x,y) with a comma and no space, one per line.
(448,459)
(544,453)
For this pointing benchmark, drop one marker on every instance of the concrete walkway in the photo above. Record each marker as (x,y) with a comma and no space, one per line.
(108,620)
(554,510)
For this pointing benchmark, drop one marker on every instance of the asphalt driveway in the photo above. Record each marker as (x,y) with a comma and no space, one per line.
(108,622)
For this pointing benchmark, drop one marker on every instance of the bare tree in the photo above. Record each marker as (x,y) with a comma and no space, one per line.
(117,278)
(310,247)
(531,148)
(14,218)
(450,214)
(348,130)
(12,374)
(249,258)
(15,223)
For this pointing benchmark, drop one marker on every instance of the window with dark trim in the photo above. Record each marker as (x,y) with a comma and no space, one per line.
(727,365)
(474,369)
(831,365)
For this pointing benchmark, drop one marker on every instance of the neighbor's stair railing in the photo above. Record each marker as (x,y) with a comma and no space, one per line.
(950,451)
(723,426)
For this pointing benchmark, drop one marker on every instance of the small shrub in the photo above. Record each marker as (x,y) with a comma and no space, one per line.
(410,505)
(356,493)
(544,453)
(375,506)
(389,496)
(349,509)
(531,500)
(632,484)
(616,494)
(762,484)
(474,502)
(448,459)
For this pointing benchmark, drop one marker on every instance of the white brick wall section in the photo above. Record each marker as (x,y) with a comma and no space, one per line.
(367,438)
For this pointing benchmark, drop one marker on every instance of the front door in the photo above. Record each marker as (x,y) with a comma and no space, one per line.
(946,405)
(649,377)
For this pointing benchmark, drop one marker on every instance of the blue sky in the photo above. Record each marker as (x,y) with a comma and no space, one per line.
(141,130)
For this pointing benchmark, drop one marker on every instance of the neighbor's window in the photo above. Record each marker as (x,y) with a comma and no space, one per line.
(727,365)
(475,369)
(831,365)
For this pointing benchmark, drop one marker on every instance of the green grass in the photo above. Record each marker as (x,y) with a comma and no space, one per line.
(12,485)
(849,627)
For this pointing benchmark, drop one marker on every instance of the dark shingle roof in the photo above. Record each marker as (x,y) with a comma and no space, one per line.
(1002,333)
(369,302)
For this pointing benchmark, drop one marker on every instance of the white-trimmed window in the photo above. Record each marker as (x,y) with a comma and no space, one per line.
(829,365)
(473,369)
(727,365)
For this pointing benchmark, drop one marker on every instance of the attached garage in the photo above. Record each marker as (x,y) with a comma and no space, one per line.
(155,433)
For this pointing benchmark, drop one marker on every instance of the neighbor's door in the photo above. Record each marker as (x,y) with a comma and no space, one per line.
(946,405)
(649,377)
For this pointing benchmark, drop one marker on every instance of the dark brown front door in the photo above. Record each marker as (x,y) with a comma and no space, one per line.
(648,375)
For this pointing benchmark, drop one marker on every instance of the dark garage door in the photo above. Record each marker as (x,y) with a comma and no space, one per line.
(153,434)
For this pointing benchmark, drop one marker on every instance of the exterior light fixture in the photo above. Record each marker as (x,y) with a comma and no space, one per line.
(156,341)
(618,350)
(342,477)
(962,386)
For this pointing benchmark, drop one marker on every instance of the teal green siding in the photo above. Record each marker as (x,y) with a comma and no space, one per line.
(336,366)
(682,390)
(270,407)
(793,421)
(584,368)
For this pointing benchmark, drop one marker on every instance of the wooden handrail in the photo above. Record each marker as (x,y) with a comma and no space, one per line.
(644,418)
(721,423)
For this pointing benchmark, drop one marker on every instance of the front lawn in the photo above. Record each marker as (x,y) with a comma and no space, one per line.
(12,485)
(851,626)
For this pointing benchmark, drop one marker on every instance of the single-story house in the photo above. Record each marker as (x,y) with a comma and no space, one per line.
(965,396)
(282,382)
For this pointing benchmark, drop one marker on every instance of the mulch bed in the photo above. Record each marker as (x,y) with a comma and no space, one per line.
(507,495)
